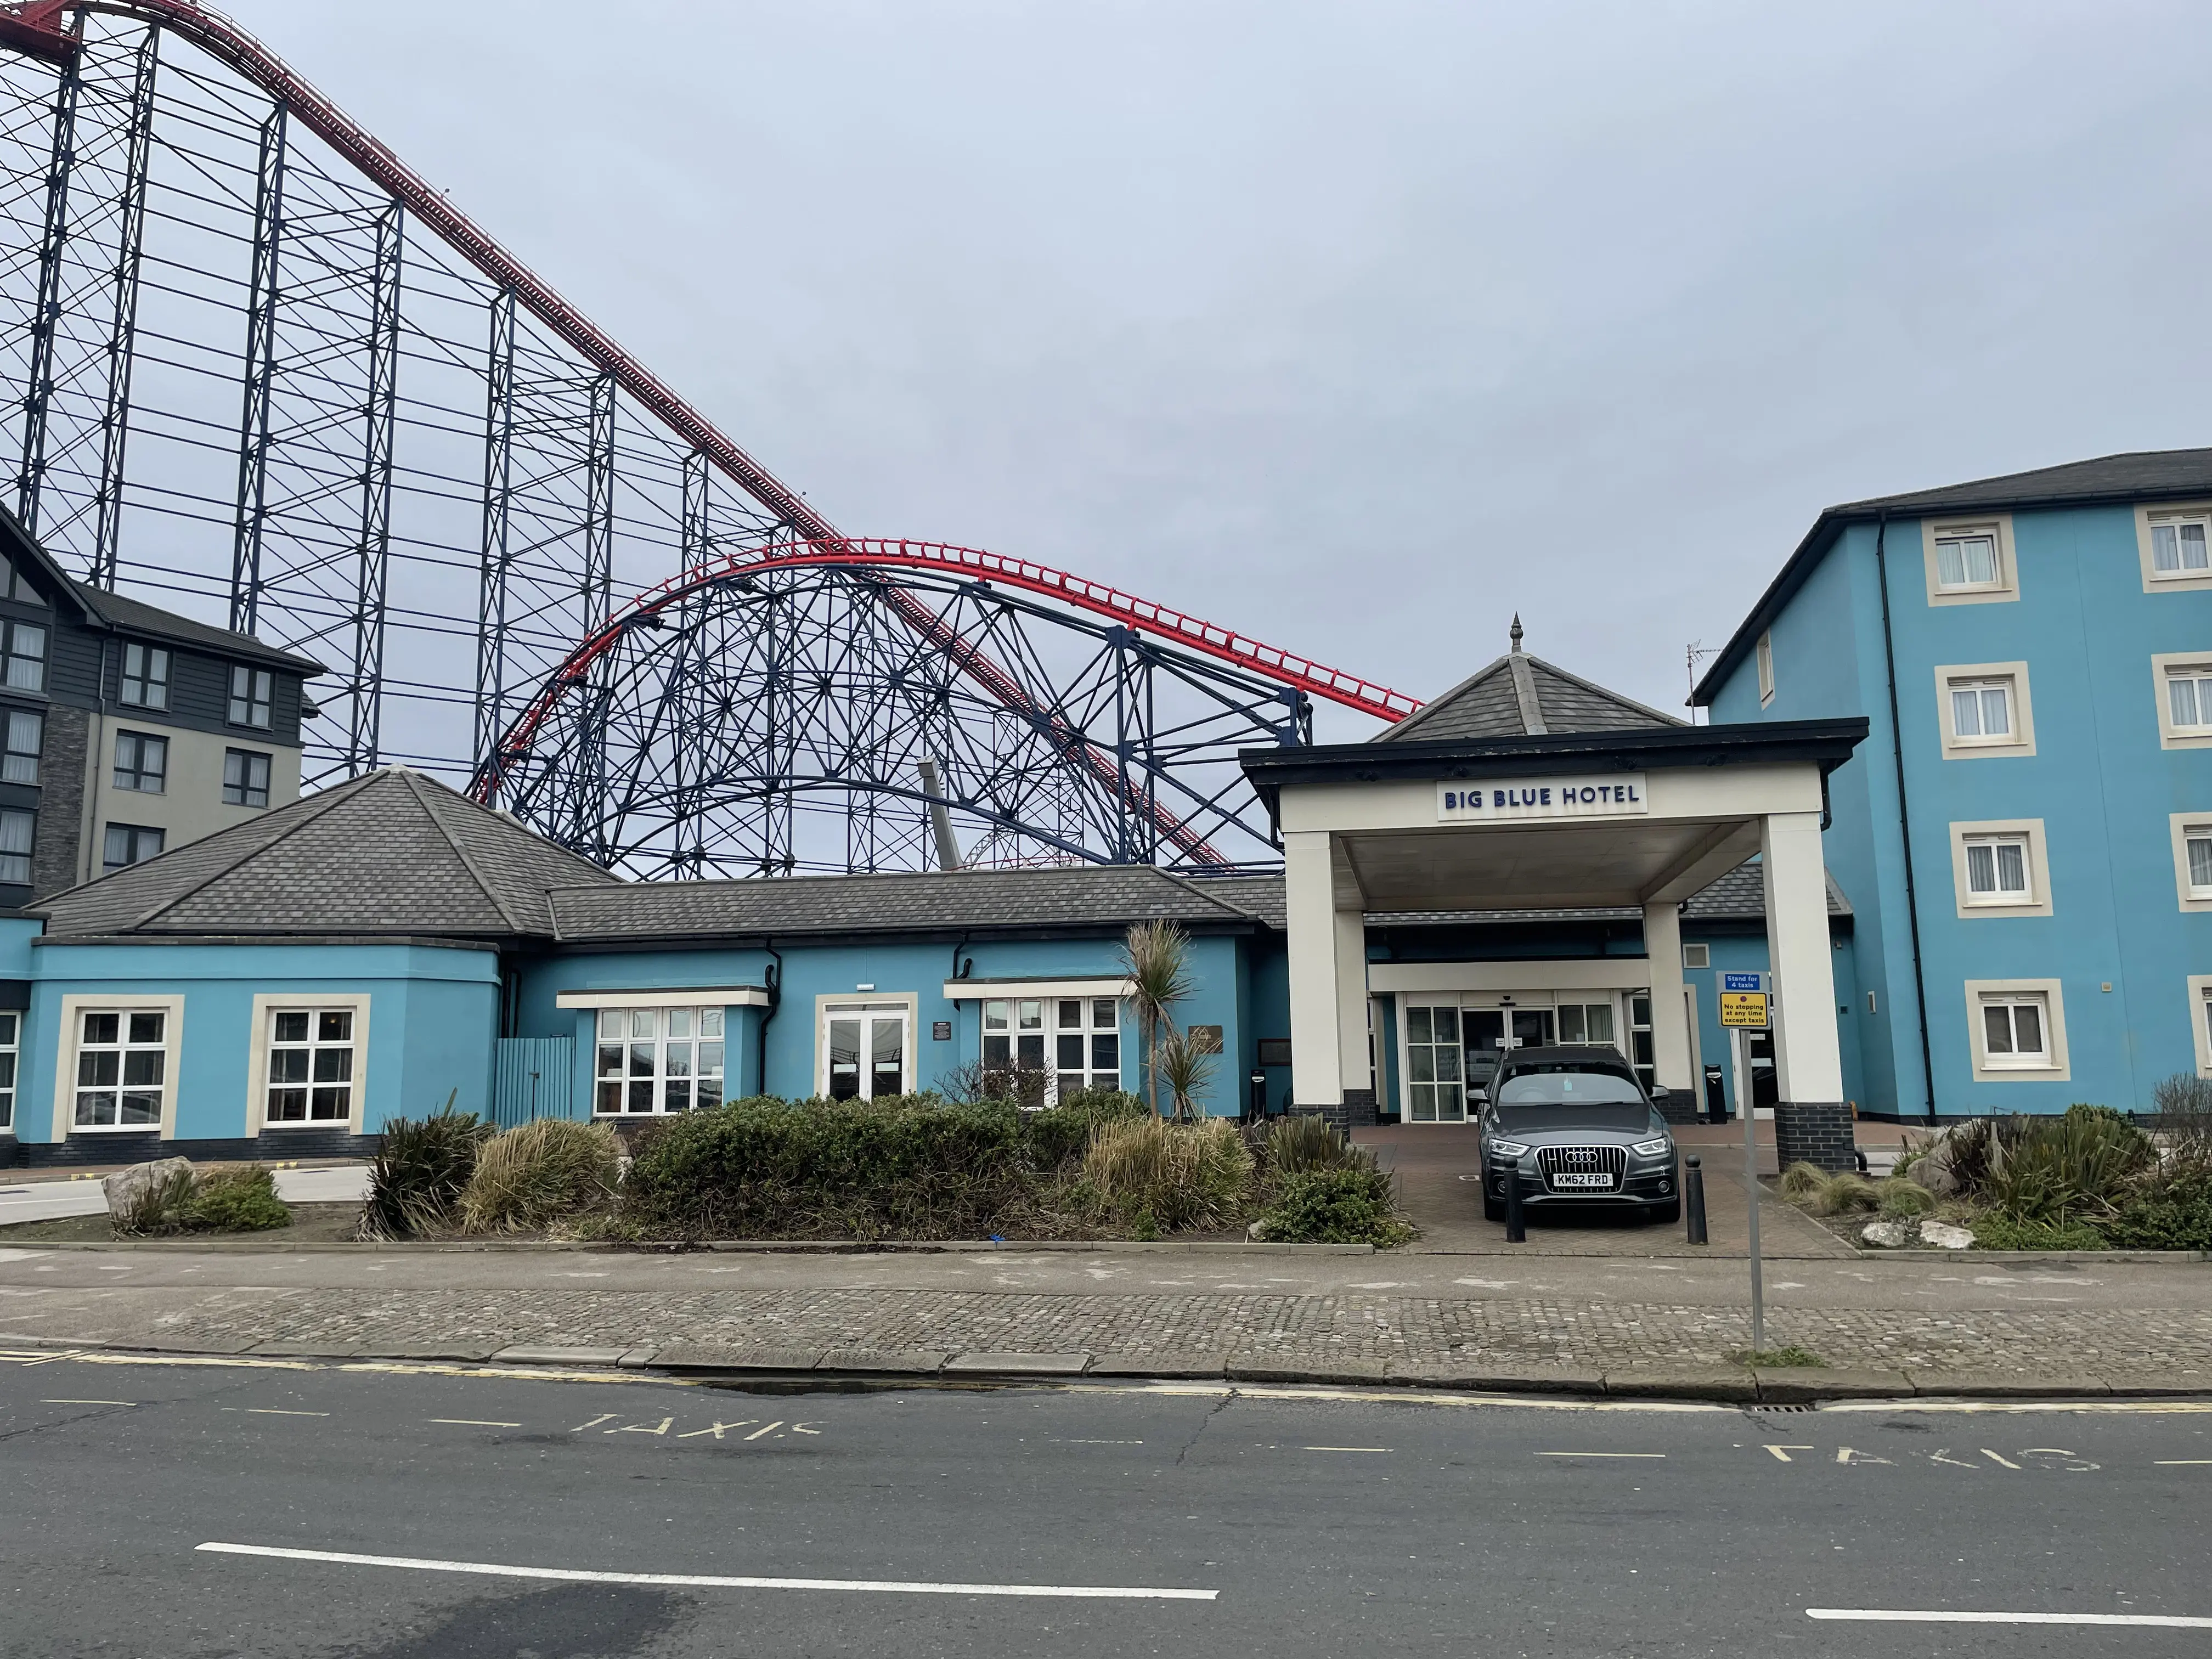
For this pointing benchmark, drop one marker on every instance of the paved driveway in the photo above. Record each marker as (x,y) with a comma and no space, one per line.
(44,1200)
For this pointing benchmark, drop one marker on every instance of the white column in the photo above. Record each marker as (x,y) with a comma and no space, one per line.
(1309,933)
(1349,941)
(1670,1023)
(1809,1064)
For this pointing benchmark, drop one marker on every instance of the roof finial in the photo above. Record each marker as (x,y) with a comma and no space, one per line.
(1516,635)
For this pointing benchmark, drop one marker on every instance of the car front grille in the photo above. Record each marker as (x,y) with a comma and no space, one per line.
(1556,1161)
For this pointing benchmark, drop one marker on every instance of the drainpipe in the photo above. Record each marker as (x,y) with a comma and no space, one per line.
(1903,813)
(774,977)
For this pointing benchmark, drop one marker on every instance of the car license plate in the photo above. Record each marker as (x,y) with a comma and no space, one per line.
(1604,1180)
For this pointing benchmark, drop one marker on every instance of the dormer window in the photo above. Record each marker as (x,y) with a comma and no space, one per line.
(13,586)
(251,690)
(145,676)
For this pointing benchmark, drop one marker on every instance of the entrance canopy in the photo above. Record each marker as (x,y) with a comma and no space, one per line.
(1645,815)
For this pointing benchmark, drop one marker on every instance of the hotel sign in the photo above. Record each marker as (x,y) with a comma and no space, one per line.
(1617,795)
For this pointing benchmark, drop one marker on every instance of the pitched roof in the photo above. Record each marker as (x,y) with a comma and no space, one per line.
(2147,474)
(101,609)
(1740,895)
(392,853)
(1521,696)
(1110,895)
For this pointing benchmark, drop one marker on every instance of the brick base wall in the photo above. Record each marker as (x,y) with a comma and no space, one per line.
(144,1149)
(1357,1111)
(1817,1133)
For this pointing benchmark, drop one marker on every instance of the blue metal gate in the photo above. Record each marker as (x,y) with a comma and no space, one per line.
(532,1077)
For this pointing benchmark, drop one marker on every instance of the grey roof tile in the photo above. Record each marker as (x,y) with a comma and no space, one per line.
(1081,896)
(2147,472)
(393,852)
(1740,895)
(1487,704)
(136,616)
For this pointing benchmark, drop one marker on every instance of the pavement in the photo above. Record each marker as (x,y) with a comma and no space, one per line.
(282,1508)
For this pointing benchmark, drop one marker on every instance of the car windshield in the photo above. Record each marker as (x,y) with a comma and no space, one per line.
(1562,1088)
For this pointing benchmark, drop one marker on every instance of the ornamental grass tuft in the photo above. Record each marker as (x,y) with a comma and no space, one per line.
(546,1171)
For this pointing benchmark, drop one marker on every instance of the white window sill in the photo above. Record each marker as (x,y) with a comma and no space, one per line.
(2024,904)
(2018,1066)
(115,1128)
(313,1123)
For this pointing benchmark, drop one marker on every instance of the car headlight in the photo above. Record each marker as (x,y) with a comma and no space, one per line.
(1509,1149)
(1654,1148)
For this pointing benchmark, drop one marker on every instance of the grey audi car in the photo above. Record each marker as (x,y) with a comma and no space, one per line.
(1573,1126)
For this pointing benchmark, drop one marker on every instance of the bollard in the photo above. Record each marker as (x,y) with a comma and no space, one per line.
(1693,1198)
(1517,1227)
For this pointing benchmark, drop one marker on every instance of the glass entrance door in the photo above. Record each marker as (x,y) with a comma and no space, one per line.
(1533,1028)
(1485,1029)
(1435,1090)
(866,1052)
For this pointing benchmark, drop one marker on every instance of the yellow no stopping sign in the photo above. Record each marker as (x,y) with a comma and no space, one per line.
(1744,1009)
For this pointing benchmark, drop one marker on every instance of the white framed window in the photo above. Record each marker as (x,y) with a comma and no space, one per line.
(657,1060)
(2192,859)
(1766,669)
(1999,867)
(145,680)
(1436,1084)
(867,1050)
(2016,1030)
(311,1065)
(2182,683)
(11,1037)
(1587,1023)
(13,586)
(25,738)
(1997,871)
(1970,561)
(2200,1020)
(1983,709)
(121,1069)
(1697,956)
(1642,1052)
(2175,542)
(1081,1050)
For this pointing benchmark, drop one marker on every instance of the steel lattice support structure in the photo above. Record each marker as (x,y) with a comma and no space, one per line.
(261,372)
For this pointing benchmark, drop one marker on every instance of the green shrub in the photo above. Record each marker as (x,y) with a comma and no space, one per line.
(422,1167)
(1999,1231)
(1823,1194)
(1802,1180)
(1059,1134)
(1348,1205)
(1904,1200)
(543,1171)
(1307,1142)
(1186,1175)
(2178,1218)
(916,1167)
(2054,1169)
(237,1199)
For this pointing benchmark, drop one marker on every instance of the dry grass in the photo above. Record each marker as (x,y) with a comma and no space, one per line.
(1178,1176)
(548,1169)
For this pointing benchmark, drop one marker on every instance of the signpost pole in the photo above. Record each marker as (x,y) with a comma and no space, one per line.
(1751,1198)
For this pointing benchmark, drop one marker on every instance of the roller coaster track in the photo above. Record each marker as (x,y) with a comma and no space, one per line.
(48,29)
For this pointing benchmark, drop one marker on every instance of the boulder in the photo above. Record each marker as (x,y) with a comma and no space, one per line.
(1885,1234)
(1945,1236)
(1257,1232)
(126,1190)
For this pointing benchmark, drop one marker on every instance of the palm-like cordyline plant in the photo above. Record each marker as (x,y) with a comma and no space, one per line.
(1157,955)
(1185,1064)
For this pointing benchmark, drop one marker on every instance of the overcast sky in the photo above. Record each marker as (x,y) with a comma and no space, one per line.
(1357,327)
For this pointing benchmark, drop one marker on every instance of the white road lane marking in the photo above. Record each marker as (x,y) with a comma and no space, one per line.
(87,1402)
(474,1423)
(1902,1616)
(717,1581)
(1605,1454)
(1348,1449)
(2181,1462)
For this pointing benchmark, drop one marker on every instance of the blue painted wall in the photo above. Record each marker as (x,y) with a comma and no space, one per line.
(783,1060)
(2099,780)
(432,1016)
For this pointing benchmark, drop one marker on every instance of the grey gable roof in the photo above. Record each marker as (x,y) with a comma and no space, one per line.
(394,852)
(2147,474)
(1741,894)
(1103,897)
(1524,695)
(133,616)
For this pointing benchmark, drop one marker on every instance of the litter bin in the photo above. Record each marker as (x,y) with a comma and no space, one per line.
(1715,1095)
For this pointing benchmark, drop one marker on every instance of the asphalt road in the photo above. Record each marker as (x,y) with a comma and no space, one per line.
(983,1524)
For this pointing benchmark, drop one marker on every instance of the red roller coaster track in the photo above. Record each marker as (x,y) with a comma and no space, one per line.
(37,28)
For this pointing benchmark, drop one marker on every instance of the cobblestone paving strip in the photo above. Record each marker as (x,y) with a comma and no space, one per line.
(2172,1343)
